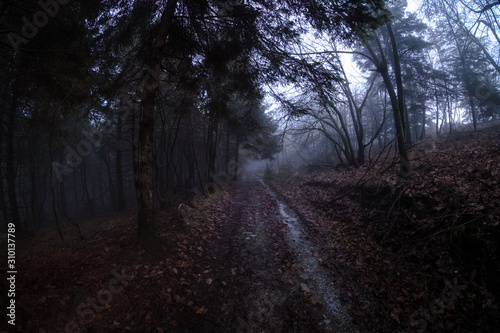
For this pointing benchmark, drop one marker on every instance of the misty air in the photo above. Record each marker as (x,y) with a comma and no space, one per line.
(250,166)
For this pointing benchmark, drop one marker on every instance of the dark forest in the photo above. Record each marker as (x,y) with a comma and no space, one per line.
(250,166)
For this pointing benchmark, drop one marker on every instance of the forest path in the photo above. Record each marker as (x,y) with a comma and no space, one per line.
(265,276)
(241,263)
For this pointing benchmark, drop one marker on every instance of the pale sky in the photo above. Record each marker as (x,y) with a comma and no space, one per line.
(355,76)
(413,5)
(353,72)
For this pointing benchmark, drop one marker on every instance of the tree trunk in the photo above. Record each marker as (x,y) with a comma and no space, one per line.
(212,143)
(227,155)
(146,230)
(468,87)
(399,85)
(473,110)
(436,98)
(53,185)
(54,208)
(61,199)
(450,113)
(382,67)
(424,121)
(108,162)
(10,169)
(35,218)
(356,112)
(120,202)
(87,198)
(238,170)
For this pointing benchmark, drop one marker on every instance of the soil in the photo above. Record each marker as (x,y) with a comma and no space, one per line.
(356,250)
(243,268)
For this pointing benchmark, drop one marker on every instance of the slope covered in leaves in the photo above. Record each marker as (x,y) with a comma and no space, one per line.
(423,251)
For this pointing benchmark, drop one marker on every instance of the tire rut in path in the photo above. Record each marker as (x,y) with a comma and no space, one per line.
(269,280)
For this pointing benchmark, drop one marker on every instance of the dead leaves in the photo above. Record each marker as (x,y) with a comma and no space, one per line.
(407,239)
(201,310)
(223,307)
(395,315)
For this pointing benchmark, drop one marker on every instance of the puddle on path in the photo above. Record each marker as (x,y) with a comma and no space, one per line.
(318,281)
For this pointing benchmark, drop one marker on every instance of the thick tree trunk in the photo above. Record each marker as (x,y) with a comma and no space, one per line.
(53,185)
(53,197)
(146,231)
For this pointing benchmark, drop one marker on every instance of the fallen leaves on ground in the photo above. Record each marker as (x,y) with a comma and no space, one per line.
(425,251)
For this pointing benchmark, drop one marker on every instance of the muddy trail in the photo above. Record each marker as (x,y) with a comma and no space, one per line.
(266,276)
(241,260)
(242,263)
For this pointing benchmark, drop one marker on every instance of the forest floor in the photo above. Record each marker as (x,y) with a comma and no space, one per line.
(356,250)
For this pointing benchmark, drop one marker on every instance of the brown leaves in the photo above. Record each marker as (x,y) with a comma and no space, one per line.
(201,310)
(398,243)
(223,307)
(395,315)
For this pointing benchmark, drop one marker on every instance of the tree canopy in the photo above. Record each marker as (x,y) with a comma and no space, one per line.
(164,95)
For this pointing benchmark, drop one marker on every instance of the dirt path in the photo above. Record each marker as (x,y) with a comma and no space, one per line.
(263,274)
